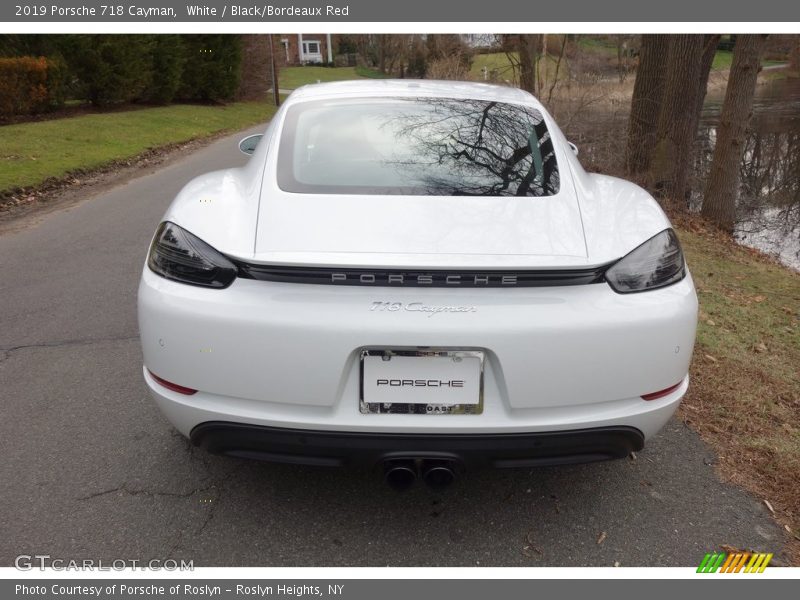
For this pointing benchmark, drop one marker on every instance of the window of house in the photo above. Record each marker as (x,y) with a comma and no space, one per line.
(311,48)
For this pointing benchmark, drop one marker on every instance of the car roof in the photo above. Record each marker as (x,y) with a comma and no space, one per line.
(413,88)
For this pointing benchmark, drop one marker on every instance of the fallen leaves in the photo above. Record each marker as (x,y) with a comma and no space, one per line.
(745,395)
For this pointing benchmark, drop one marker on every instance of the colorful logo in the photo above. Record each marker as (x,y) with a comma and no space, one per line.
(734,562)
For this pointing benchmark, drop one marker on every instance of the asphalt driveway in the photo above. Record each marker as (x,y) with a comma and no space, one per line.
(90,469)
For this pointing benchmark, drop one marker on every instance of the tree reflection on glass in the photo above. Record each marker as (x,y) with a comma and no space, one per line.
(425,146)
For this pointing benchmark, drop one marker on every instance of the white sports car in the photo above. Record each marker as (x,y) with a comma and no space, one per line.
(417,277)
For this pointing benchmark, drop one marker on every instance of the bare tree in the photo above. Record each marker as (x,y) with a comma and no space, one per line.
(794,56)
(384,40)
(557,68)
(447,67)
(528,50)
(710,43)
(623,55)
(365,44)
(722,190)
(648,94)
(273,71)
(677,124)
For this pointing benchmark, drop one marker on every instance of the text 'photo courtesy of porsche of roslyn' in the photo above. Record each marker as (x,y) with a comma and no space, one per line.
(520,299)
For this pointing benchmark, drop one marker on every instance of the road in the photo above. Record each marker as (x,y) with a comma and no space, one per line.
(90,469)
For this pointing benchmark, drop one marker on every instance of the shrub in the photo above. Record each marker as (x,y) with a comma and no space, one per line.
(346,45)
(168,60)
(212,68)
(110,69)
(29,85)
(417,63)
(57,81)
(449,67)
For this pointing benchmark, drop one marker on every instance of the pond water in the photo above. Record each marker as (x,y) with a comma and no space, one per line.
(769,202)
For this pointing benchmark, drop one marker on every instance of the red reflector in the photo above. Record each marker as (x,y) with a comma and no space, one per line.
(172,386)
(662,393)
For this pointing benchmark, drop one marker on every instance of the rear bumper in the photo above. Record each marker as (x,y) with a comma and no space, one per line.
(286,356)
(365,450)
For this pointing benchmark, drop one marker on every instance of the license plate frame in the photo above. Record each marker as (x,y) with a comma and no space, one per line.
(421,408)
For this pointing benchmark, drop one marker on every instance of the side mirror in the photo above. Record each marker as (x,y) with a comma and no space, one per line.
(248,144)
(574,148)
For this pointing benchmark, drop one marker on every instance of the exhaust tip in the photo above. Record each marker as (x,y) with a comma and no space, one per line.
(400,474)
(438,474)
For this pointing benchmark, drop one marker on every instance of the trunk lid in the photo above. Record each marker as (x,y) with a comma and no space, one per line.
(420,231)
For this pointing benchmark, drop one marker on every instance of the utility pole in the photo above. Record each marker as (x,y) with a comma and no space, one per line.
(276,98)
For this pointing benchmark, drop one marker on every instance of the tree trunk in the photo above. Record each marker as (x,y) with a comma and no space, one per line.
(646,102)
(382,53)
(722,190)
(541,68)
(554,82)
(527,47)
(669,167)
(622,48)
(710,44)
(794,56)
(273,70)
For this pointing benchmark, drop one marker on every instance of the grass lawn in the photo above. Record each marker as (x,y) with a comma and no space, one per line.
(495,61)
(290,78)
(722,60)
(30,153)
(598,45)
(744,398)
(499,61)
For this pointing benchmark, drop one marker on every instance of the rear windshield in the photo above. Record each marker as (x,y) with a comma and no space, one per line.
(416,146)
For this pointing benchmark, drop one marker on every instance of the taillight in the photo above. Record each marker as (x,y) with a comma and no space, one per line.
(661,393)
(657,263)
(172,386)
(181,256)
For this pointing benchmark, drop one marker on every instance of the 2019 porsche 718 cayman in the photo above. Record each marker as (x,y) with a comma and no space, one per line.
(416,277)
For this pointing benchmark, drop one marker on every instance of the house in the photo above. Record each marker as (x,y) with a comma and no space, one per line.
(290,50)
(305,48)
(480,40)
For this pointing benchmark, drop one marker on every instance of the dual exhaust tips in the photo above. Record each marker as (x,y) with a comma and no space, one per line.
(401,473)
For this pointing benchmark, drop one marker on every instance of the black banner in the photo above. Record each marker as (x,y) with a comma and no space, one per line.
(359,11)
(730,588)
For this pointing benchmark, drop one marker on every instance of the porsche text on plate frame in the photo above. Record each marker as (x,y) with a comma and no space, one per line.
(432,382)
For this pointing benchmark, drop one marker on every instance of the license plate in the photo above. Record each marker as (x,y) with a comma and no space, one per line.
(430,382)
